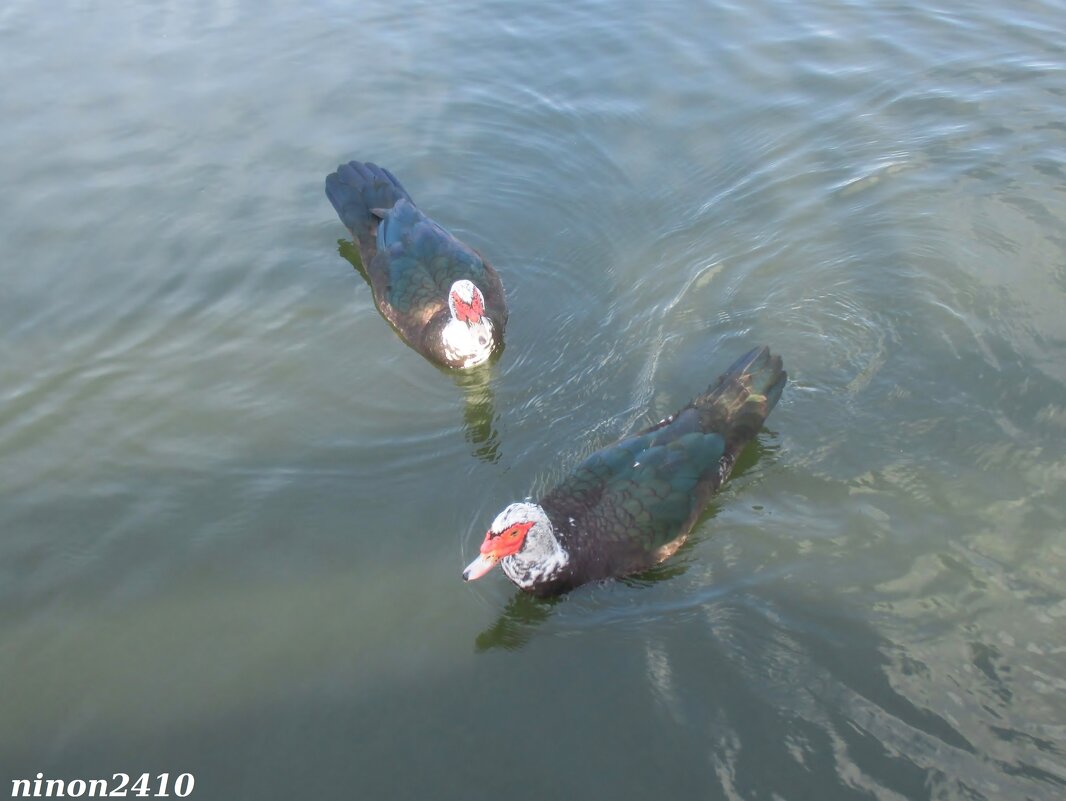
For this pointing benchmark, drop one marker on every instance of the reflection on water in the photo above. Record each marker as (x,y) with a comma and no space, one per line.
(349,251)
(479,409)
(517,622)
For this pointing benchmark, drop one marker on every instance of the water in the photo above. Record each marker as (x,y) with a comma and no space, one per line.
(236,506)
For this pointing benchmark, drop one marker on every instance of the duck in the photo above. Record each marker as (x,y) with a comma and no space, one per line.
(631,505)
(439,294)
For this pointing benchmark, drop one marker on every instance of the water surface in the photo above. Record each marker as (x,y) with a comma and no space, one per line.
(236,506)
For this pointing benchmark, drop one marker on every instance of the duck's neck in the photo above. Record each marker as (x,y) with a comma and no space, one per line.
(467,345)
(542,558)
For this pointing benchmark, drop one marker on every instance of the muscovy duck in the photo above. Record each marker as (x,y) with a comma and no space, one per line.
(631,505)
(442,297)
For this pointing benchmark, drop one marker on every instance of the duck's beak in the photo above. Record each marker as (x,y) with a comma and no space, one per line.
(479,567)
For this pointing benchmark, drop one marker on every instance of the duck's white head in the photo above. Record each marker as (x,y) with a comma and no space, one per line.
(523,541)
(468,337)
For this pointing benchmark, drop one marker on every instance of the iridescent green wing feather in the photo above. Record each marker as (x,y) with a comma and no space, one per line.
(423,261)
(645,490)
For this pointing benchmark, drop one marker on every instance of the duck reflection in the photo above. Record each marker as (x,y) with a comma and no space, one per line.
(350,253)
(479,411)
(516,624)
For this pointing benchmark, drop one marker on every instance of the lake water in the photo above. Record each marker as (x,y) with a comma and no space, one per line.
(235,506)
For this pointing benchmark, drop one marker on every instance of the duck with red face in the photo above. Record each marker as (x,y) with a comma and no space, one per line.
(442,297)
(631,505)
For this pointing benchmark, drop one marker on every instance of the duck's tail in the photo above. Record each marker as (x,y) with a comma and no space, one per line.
(356,189)
(739,401)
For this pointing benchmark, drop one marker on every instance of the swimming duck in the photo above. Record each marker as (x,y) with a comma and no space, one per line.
(442,297)
(631,505)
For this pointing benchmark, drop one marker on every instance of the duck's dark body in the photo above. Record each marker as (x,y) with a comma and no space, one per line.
(631,505)
(410,260)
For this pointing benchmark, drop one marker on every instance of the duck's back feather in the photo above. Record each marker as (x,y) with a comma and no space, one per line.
(628,506)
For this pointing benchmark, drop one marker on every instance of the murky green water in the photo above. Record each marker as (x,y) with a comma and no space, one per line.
(235,507)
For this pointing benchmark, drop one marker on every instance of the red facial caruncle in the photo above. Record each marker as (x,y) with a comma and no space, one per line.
(468,312)
(497,546)
(507,542)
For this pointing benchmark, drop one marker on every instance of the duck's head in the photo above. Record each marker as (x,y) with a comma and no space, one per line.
(468,337)
(522,539)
